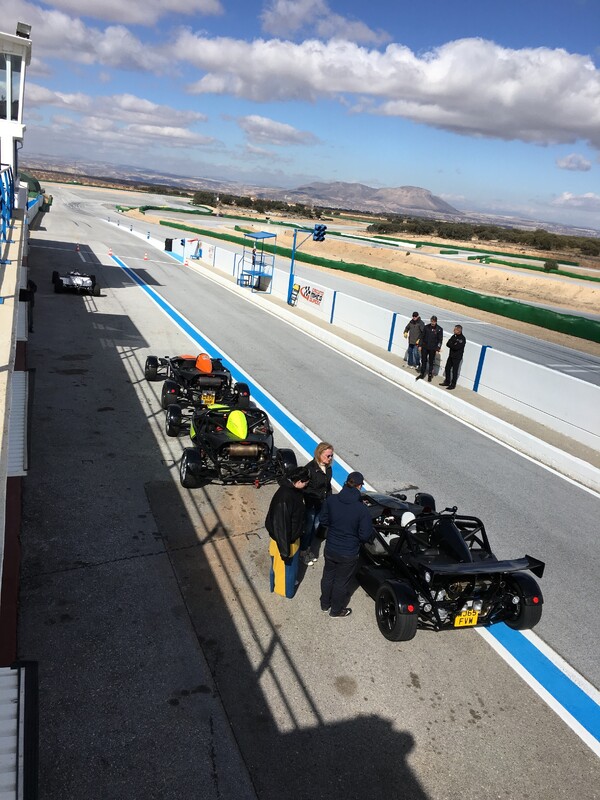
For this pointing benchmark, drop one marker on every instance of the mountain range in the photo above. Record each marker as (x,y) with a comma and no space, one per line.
(405,200)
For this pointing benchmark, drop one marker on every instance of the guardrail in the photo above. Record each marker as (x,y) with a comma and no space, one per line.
(7,200)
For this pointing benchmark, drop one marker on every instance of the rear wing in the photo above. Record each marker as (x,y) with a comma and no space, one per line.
(486,567)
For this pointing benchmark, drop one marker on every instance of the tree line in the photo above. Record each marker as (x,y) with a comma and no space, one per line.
(538,239)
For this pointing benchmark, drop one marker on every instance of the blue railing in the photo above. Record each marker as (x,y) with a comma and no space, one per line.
(7,200)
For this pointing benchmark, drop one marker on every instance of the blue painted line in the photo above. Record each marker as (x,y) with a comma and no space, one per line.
(295,431)
(480,367)
(560,686)
(556,683)
(332,308)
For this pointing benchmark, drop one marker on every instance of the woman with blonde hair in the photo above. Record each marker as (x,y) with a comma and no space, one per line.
(315,494)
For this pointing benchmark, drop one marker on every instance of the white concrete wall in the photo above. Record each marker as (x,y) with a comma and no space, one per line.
(563,403)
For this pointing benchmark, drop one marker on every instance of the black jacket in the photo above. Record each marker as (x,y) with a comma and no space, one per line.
(285,517)
(456,343)
(319,486)
(432,337)
(348,522)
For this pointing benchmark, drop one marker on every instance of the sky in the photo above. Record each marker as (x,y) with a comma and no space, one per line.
(494,107)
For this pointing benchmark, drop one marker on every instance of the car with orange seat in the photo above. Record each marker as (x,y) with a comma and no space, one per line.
(230,445)
(195,380)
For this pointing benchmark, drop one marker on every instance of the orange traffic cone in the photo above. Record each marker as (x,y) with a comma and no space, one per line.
(110,251)
(145,256)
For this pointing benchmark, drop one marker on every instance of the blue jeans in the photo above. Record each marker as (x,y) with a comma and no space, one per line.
(413,358)
(311,523)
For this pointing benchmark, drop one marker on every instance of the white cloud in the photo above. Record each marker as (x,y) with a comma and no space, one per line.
(262,130)
(588,202)
(574,162)
(288,17)
(470,86)
(137,12)
(115,121)
(57,35)
(126,108)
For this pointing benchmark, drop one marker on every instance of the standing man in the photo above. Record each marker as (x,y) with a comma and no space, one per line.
(456,343)
(431,343)
(348,525)
(413,332)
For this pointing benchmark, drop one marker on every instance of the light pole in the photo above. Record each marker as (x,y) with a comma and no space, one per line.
(318,234)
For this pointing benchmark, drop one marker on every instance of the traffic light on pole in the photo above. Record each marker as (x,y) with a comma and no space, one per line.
(319,233)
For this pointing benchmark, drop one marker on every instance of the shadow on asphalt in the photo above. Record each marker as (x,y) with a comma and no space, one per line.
(111,593)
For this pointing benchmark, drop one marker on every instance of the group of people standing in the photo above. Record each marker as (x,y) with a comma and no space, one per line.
(303,504)
(425,341)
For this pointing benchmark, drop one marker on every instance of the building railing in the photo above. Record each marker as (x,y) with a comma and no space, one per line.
(7,200)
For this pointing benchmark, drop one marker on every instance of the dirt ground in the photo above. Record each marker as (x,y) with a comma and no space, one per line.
(537,287)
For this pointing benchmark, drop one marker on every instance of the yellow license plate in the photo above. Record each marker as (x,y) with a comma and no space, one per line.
(208,398)
(466,618)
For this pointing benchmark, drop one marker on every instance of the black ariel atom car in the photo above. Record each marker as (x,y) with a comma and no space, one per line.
(192,381)
(79,282)
(436,571)
(231,445)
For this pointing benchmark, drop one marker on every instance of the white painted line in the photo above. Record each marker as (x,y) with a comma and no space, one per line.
(549,699)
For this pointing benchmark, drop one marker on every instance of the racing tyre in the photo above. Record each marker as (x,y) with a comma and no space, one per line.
(242,395)
(190,461)
(286,460)
(58,287)
(395,624)
(54,276)
(169,393)
(173,420)
(96,290)
(151,368)
(524,616)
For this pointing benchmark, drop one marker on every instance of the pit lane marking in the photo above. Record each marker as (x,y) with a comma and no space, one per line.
(563,690)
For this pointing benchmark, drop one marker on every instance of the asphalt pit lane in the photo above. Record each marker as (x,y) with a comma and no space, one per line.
(71,371)
(345,686)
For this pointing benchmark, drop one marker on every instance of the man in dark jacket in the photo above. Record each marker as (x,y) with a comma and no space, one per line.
(413,332)
(285,525)
(431,343)
(456,343)
(348,525)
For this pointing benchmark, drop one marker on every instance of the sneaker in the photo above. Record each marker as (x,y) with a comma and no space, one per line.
(444,384)
(450,387)
(325,610)
(418,378)
(308,559)
(345,612)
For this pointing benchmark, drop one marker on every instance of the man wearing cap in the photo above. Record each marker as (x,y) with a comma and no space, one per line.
(413,332)
(431,343)
(348,525)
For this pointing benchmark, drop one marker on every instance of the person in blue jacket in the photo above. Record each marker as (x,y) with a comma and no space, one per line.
(348,523)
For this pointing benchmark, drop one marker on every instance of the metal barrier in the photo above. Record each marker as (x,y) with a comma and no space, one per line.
(7,200)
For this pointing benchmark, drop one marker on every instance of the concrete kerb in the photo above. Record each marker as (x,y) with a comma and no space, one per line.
(566,464)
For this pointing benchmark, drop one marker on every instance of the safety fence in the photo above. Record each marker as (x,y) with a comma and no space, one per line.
(7,200)
(560,272)
(569,324)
